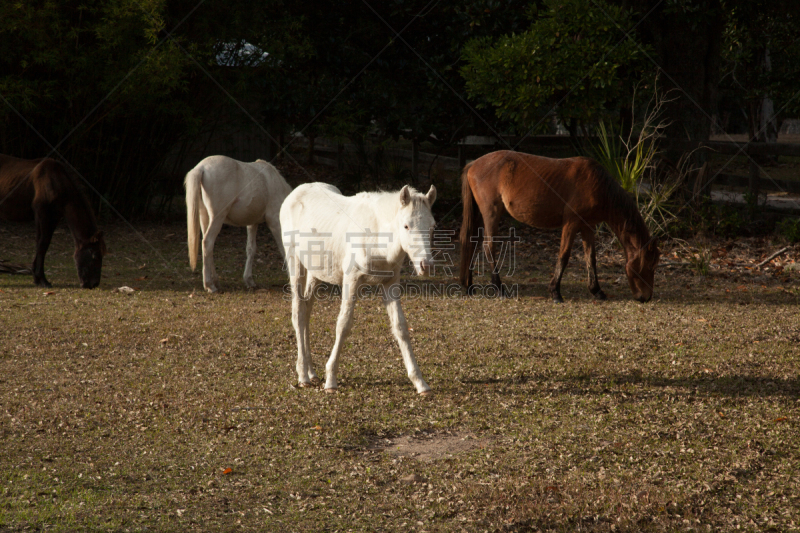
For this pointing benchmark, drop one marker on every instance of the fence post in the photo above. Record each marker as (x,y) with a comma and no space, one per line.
(754,185)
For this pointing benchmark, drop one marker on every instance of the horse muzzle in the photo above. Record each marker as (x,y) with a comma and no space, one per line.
(423,267)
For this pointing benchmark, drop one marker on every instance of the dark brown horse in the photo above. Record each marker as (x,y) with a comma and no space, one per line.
(41,190)
(574,194)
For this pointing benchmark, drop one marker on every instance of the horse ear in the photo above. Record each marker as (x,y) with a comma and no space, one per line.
(431,196)
(405,196)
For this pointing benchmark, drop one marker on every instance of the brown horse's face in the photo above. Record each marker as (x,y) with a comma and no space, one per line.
(641,269)
(89,260)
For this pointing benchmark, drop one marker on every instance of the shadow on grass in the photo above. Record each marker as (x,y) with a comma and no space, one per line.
(590,384)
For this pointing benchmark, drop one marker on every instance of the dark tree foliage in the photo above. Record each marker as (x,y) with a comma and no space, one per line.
(95,81)
(761,60)
(118,88)
(573,59)
(111,87)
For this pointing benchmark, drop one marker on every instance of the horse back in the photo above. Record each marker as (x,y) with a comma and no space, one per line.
(16,188)
(30,184)
(538,191)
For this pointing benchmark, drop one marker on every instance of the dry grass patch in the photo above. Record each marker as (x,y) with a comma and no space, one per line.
(173,410)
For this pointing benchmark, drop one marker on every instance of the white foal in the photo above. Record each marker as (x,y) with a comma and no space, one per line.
(353,241)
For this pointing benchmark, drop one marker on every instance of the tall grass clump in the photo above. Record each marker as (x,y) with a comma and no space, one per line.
(631,160)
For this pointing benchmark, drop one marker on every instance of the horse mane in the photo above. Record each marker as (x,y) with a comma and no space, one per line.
(622,212)
(61,188)
(388,199)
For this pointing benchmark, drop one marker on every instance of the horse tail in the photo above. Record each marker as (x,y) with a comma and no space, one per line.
(192,183)
(470,222)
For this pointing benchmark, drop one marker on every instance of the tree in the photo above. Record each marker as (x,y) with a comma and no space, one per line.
(88,78)
(113,85)
(761,54)
(686,39)
(573,58)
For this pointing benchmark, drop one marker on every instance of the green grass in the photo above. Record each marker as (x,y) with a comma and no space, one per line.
(675,415)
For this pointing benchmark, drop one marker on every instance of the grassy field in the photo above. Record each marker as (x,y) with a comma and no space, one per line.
(173,410)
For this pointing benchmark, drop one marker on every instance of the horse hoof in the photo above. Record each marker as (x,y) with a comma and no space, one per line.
(331,391)
(558,300)
(426,393)
(600,295)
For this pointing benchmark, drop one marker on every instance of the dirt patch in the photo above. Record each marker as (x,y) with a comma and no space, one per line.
(432,447)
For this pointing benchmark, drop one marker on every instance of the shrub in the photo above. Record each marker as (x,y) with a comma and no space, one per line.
(789,229)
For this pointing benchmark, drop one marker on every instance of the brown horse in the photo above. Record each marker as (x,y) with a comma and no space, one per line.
(41,190)
(575,194)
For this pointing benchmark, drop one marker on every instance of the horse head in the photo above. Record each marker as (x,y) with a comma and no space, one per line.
(89,260)
(641,268)
(414,225)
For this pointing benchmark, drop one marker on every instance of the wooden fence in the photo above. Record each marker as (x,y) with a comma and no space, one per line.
(335,155)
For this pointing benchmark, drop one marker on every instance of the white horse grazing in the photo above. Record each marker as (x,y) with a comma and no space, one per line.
(221,190)
(353,241)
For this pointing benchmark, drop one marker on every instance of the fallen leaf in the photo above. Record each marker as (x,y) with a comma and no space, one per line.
(141,278)
(143,266)
(48,293)
(164,341)
(781,419)
(317,428)
(227,471)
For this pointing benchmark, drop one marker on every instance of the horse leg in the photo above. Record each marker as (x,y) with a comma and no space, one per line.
(210,278)
(567,238)
(251,255)
(343,325)
(274,225)
(46,221)
(310,297)
(300,318)
(491,225)
(587,235)
(400,332)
